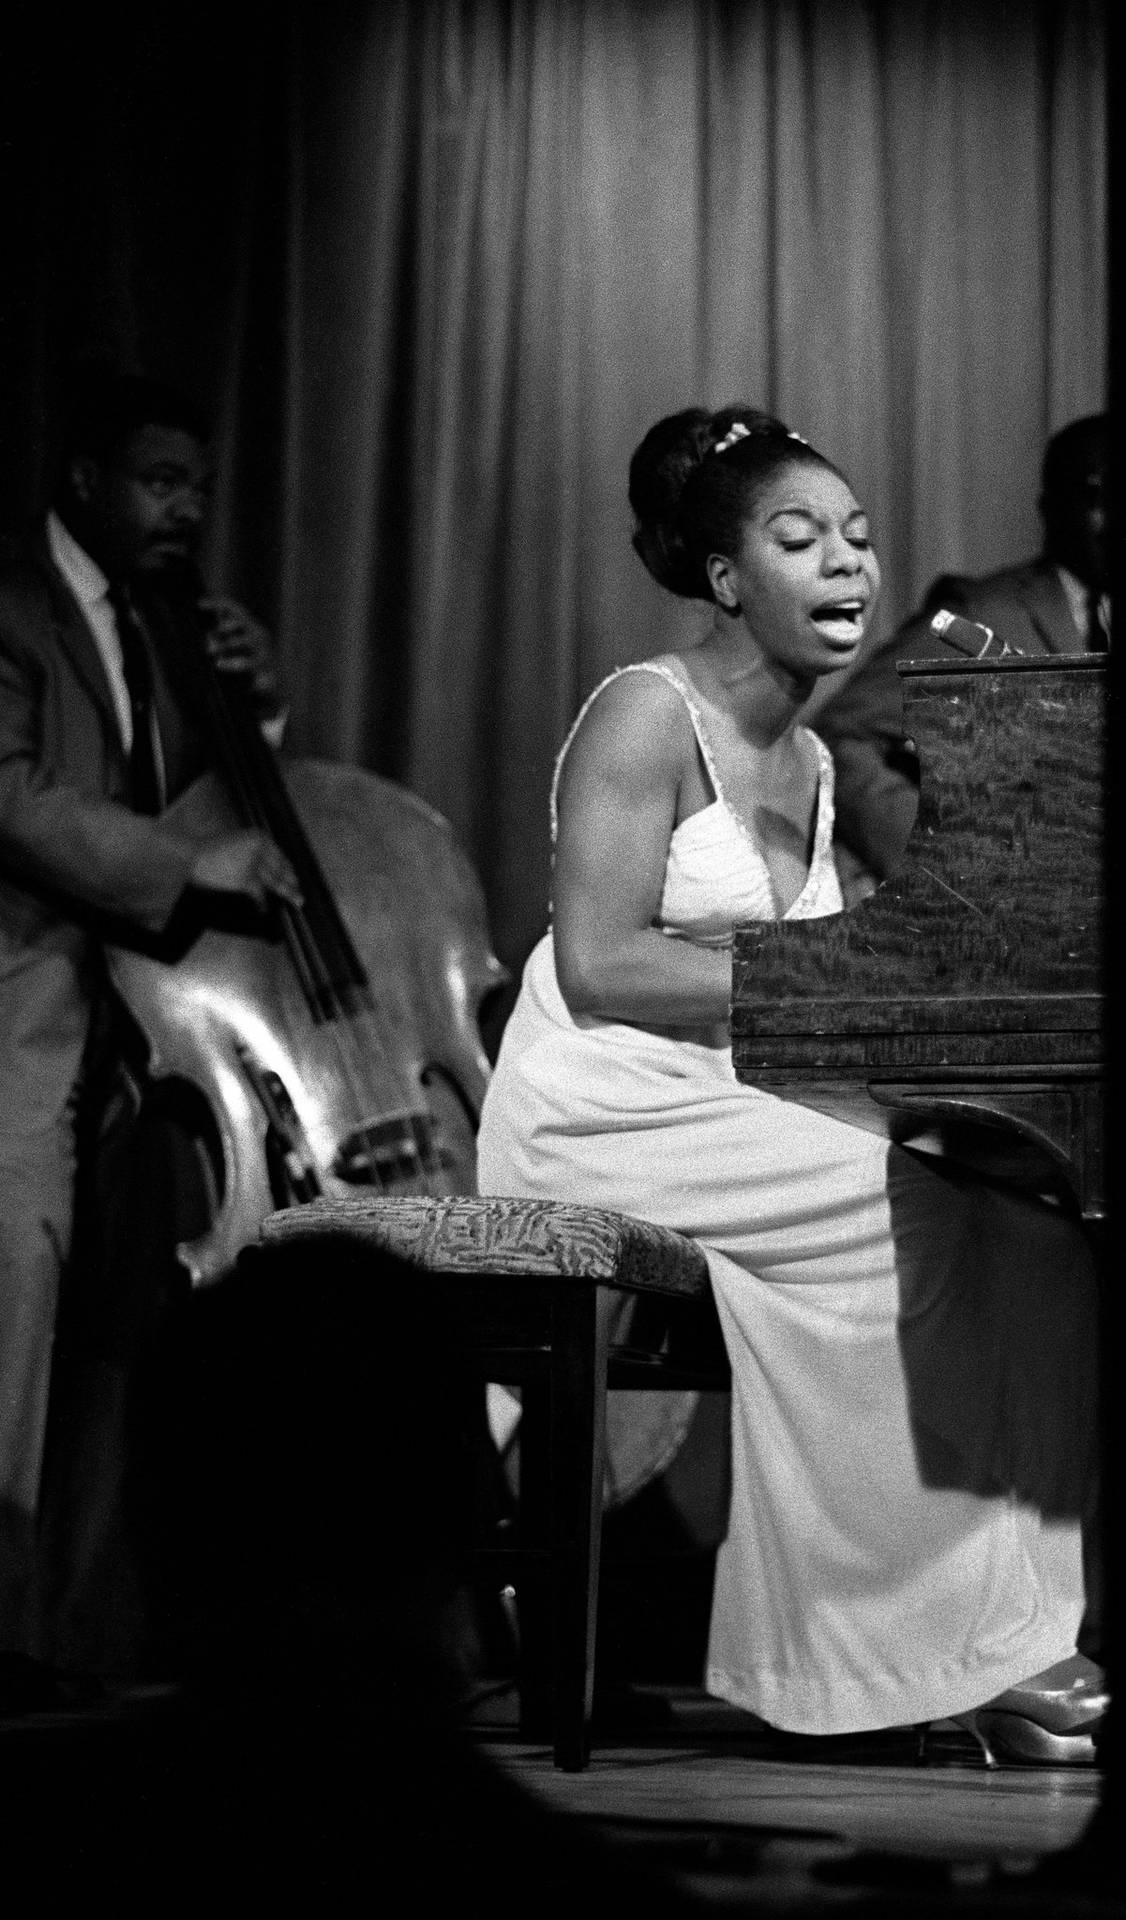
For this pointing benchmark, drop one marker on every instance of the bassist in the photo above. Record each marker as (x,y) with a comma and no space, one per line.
(95,738)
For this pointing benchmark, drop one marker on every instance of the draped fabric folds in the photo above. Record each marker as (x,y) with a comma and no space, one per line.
(436,267)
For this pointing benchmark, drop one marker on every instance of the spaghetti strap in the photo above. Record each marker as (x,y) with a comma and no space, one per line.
(638,666)
(821,884)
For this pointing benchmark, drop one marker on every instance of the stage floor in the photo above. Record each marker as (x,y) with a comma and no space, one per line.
(686,1809)
(734,1820)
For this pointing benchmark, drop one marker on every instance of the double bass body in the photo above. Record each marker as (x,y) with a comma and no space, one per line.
(338,1047)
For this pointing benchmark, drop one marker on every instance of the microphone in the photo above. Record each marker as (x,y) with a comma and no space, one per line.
(968,636)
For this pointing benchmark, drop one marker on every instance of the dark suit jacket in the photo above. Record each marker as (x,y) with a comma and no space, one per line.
(876,766)
(72,853)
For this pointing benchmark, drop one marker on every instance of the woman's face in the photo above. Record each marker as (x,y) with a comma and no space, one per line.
(805,578)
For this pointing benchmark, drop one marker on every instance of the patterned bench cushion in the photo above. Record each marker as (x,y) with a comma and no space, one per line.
(465,1233)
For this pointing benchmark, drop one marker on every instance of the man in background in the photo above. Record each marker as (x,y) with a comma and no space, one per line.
(98,732)
(1058,602)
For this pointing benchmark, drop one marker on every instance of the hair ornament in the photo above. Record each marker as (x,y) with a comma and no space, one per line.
(738,431)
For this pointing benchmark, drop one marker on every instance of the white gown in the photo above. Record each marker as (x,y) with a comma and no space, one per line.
(911,1349)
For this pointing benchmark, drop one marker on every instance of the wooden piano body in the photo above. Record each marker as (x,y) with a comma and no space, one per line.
(959,1007)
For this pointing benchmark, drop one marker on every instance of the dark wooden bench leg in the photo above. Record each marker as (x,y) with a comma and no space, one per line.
(580,1348)
(534,1594)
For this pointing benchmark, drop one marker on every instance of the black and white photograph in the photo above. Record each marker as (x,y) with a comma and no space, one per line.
(558,1338)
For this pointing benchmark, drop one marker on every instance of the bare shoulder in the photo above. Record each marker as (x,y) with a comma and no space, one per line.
(630,751)
(637,717)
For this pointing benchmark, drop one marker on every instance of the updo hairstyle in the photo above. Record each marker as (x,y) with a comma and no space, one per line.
(690,500)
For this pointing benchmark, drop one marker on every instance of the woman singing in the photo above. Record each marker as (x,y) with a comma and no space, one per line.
(912,1445)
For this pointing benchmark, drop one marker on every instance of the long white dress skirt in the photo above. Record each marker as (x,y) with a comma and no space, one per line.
(912,1355)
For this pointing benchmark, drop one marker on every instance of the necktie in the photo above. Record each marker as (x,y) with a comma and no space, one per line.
(144,768)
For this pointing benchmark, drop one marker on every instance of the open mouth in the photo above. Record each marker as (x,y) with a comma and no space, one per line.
(841,621)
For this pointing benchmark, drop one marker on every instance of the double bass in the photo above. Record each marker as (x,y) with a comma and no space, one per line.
(326,1046)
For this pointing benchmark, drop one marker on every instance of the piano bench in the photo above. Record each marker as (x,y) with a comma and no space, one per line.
(563,1302)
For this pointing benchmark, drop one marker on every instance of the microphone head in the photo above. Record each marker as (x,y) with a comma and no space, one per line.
(968,636)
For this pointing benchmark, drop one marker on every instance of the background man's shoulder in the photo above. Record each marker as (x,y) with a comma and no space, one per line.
(1013,594)
(1004,583)
(1024,605)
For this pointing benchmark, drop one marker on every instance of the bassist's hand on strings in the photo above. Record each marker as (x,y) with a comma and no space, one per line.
(237,643)
(249,863)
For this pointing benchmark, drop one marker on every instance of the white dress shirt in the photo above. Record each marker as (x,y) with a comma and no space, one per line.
(1077,600)
(90,588)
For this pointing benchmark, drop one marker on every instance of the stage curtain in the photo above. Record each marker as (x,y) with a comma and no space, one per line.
(436,267)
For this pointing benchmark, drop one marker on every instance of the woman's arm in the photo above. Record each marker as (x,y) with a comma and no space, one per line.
(618,804)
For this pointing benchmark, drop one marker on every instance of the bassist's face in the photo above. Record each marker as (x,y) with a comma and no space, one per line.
(141,509)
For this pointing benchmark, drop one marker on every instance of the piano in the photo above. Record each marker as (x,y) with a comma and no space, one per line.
(959,1008)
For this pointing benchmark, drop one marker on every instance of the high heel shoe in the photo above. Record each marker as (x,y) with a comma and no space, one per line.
(1048,1721)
